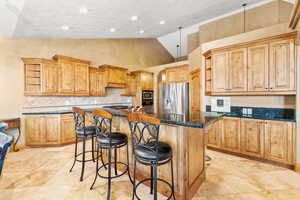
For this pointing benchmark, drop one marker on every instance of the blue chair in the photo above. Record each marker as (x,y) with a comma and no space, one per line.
(5,142)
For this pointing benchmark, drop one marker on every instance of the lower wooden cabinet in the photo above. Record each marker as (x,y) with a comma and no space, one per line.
(280,141)
(252,137)
(230,138)
(49,130)
(265,139)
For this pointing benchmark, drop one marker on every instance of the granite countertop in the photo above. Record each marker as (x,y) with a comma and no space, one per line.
(261,116)
(196,120)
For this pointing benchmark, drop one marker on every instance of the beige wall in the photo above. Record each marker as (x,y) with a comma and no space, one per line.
(131,53)
(269,14)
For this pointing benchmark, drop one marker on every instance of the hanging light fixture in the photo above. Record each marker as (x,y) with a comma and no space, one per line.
(178,46)
(244,7)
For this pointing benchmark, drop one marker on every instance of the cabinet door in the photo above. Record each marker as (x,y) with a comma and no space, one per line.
(33,130)
(252,137)
(147,81)
(214,135)
(101,83)
(231,134)
(258,68)
(279,141)
(220,72)
(51,129)
(282,65)
(49,76)
(94,81)
(81,79)
(237,70)
(67,128)
(195,91)
(66,78)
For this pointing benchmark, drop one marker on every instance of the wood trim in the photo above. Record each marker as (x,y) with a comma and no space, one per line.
(141,71)
(37,61)
(112,67)
(178,67)
(195,71)
(291,35)
(295,16)
(297,167)
(60,57)
(270,93)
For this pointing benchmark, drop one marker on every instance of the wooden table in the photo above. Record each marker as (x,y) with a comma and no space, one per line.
(13,123)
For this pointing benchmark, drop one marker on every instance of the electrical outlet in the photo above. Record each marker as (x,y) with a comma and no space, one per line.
(244,111)
(249,111)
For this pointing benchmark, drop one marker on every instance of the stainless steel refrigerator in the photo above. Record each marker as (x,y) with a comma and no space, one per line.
(174,98)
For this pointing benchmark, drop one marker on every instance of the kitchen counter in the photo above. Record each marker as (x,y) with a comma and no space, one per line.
(196,120)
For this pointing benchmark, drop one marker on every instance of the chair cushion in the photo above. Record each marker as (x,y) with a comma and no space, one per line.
(114,138)
(147,151)
(89,130)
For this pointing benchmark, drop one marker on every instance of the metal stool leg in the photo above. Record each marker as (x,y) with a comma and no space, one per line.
(134,171)
(116,160)
(172,174)
(102,158)
(83,158)
(93,156)
(109,173)
(128,164)
(75,156)
(97,164)
(151,184)
(155,181)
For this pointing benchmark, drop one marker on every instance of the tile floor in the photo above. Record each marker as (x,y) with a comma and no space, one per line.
(42,174)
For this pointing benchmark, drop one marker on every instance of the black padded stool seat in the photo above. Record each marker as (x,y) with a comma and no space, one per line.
(114,138)
(148,151)
(89,130)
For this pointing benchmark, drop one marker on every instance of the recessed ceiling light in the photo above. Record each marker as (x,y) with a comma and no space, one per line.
(112,30)
(134,18)
(83,10)
(65,28)
(162,22)
(142,31)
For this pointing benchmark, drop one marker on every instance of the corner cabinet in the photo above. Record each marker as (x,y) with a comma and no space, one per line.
(73,79)
(263,139)
(40,76)
(261,67)
(177,74)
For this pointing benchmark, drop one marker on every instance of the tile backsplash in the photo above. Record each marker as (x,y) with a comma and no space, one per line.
(113,96)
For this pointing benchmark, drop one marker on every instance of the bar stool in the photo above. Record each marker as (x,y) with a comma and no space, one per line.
(149,151)
(108,140)
(82,131)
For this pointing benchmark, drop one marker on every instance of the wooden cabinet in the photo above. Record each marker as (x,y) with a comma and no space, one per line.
(237,70)
(231,133)
(282,65)
(258,68)
(177,74)
(131,85)
(115,77)
(73,76)
(97,86)
(220,72)
(49,130)
(261,67)
(214,135)
(252,137)
(67,128)
(280,141)
(40,76)
(195,90)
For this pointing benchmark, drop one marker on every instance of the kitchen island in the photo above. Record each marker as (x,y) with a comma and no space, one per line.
(185,134)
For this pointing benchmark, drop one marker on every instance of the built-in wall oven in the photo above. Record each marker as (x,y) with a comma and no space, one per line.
(147,98)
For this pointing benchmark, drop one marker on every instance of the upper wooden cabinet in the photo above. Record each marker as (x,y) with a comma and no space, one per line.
(73,76)
(131,85)
(261,67)
(195,90)
(258,68)
(115,77)
(177,74)
(97,85)
(282,65)
(40,77)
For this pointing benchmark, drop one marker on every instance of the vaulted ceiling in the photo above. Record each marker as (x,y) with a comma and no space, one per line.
(63,19)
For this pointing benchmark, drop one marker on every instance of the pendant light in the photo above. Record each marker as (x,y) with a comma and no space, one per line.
(178,46)
(244,7)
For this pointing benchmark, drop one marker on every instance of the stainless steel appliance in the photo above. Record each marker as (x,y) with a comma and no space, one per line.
(174,98)
(147,98)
